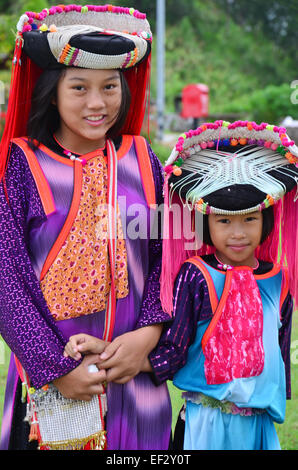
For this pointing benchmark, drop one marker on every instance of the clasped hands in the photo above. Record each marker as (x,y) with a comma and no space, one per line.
(118,361)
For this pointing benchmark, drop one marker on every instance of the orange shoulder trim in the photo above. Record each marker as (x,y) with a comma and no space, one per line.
(197,261)
(145,169)
(41,182)
(218,311)
(284,286)
(78,171)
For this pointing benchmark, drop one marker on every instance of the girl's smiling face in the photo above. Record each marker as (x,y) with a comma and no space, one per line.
(236,237)
(88,102)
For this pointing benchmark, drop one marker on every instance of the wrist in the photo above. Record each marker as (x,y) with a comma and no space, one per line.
(146,367)
(149,335)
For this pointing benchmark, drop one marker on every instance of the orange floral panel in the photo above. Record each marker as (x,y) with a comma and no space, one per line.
(78,282)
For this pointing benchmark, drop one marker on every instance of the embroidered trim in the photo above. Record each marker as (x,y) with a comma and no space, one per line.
(42,184)
(225,406)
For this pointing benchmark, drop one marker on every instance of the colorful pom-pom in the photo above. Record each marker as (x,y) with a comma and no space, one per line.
(168,169)
(290,157)
(179,161)
(27,27)
(43,27)
(177,171)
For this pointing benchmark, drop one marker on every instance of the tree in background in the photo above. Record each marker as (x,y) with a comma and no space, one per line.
(246,52)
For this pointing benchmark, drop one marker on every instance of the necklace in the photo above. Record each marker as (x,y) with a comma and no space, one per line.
(72,156)
(227,267)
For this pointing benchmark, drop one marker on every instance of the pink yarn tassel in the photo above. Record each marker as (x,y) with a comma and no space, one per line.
(178,245)
(289,241)
(166,286)
(174,244)
(269,250)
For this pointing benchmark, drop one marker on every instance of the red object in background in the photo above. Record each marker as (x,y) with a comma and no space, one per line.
(195,100)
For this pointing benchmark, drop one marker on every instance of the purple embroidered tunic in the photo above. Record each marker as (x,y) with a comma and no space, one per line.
(139,413)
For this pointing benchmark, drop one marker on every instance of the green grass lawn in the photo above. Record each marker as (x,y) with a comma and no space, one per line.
(287,432)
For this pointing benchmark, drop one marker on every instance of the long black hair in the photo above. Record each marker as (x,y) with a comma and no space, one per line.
(44,118)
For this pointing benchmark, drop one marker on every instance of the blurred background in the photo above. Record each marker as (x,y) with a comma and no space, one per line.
(212,59)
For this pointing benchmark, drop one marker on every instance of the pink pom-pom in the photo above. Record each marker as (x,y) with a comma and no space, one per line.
(27,27)
(203,145)
(274,146)
(168,169)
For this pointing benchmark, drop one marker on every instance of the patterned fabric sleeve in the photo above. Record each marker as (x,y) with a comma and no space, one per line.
(191,304)
(25,321)
(285,338)
(151,311)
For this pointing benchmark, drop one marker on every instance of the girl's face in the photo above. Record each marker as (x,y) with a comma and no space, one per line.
(236,237)
(88,102)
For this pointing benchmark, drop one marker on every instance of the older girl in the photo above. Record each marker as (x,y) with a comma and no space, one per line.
(72,163)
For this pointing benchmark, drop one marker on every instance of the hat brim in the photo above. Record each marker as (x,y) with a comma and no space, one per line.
(235,197)
(111,50)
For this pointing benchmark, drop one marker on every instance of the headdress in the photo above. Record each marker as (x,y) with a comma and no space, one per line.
(96,37)
(234,168)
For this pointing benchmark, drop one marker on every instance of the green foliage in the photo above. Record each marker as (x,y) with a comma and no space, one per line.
(244,51)
(7,34)
(269,104)
(236,59)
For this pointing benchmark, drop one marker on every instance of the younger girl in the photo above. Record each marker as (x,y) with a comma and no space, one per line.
(228,346)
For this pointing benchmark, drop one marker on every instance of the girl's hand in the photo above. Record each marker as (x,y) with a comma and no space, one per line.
(80,384)
(127,355)
(85,344)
